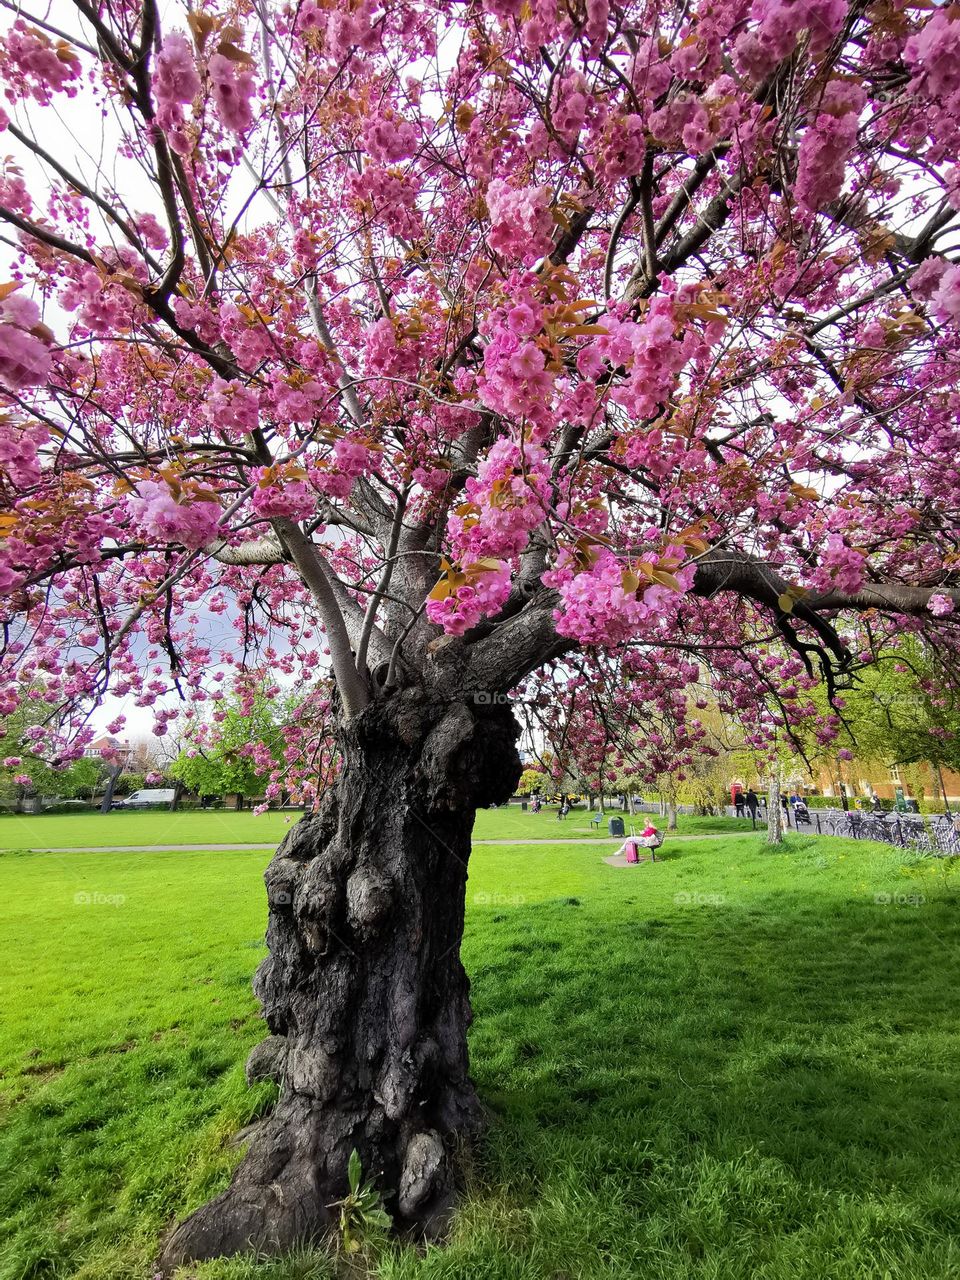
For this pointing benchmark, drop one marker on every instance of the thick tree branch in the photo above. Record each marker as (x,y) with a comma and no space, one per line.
(309,561)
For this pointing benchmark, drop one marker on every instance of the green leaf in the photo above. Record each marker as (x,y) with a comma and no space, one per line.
(353,1171)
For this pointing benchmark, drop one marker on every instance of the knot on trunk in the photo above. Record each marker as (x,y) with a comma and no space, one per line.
(318,900)
(424,1176)
(369,901)
(280,878)
(470,758)
(267,1059)
(313,1071)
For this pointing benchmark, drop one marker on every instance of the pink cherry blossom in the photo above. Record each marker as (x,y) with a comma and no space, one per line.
(159,516)
(940,605)
(945,301)
(232,91)
(25,358)
(521,226)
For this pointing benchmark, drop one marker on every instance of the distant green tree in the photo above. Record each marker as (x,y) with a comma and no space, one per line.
(22,773)
(532,780)
(904,710)
(80,780)
(127,783)
(224,764)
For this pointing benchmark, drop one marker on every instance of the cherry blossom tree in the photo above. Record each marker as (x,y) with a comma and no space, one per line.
(652,716)
(429,344)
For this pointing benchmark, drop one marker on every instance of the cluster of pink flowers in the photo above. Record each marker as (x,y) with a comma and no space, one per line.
(176,82)
(569,110)
(384,354)
(157,514)
(596,607)
(511,492)
(277,496)
(352,458)
(619,150)
(233,88)
(20,445)
(200,317)
(946,297)
(232,408)
(648,350)
(392,196)
(934,53)
(296,401)
(483,595)
(521,225)
(940,605)
(151,232)
(249,338)
(840,566)
(506,500)
(826,145)
(388,138)
(342,31)
(25,358)
(693,123)
(33,66)
(683,121)
(937,281)
(595,27)
(778,27)
(103,304)
(516,381)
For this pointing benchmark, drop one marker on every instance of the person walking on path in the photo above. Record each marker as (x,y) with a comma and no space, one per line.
(753,804)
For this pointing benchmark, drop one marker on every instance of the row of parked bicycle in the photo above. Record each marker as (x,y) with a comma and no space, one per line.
(939,834)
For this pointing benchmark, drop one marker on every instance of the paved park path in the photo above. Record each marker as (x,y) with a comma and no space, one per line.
(599,841)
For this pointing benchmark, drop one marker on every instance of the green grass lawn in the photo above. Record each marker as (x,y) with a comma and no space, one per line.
(512,823)
(728,1065)
(226,826)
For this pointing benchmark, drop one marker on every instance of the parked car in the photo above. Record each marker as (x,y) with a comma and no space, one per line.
(143,799)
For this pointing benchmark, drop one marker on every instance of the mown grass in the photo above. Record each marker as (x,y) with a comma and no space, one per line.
(142,829)
(227,827)
(730,1064)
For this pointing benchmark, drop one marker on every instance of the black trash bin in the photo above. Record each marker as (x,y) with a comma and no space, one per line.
(615,826)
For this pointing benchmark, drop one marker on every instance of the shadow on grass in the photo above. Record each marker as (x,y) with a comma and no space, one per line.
(766,1089)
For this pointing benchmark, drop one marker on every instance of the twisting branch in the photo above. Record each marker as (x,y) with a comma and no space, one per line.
(312,568)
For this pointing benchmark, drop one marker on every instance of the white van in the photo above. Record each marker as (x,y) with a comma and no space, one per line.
(141,799)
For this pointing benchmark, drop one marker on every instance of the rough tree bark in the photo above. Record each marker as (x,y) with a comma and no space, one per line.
(363,990)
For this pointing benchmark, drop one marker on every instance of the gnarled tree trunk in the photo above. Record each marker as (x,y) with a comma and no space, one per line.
(363,989)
